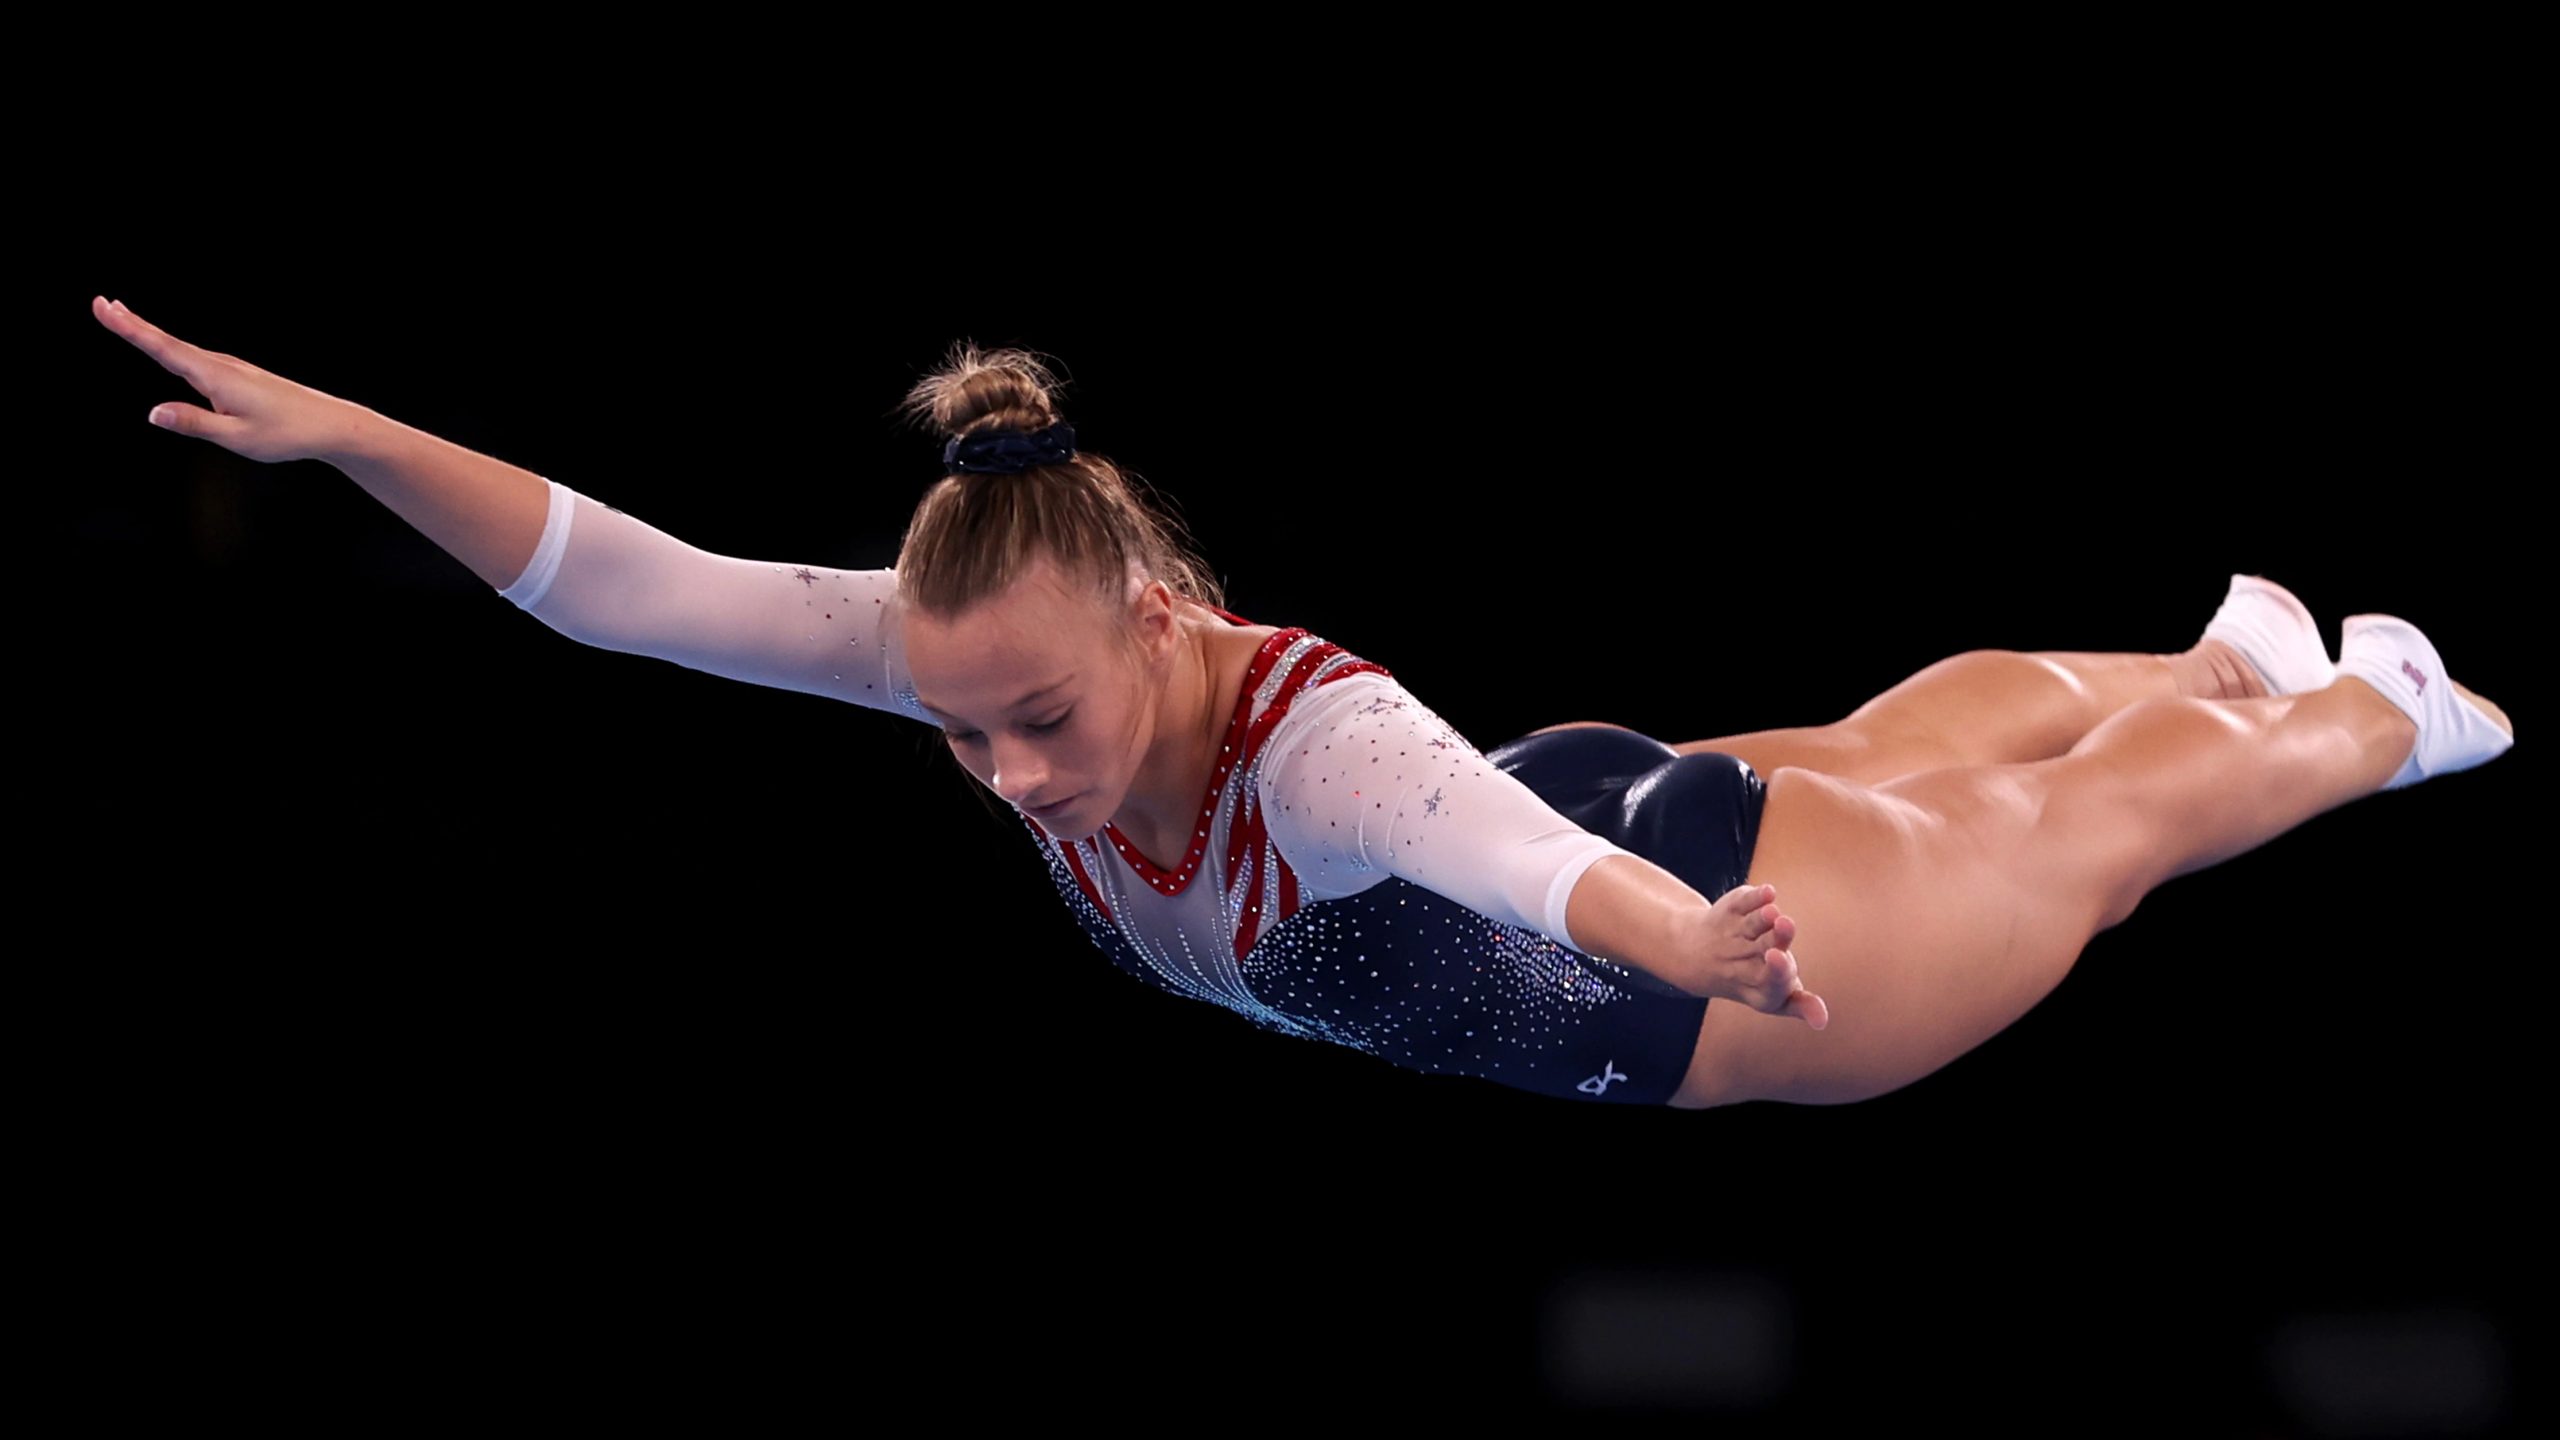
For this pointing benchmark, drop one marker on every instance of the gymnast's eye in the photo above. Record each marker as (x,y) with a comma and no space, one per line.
(963,737)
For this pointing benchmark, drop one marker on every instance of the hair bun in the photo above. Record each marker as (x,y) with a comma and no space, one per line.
(997,411)
(974,391)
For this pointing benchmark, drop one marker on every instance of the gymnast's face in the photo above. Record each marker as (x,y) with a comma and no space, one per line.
(1039,698)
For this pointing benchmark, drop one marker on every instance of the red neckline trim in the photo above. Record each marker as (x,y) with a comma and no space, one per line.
(1173,882)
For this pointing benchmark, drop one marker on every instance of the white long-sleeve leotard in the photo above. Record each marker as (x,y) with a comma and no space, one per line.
(1355,779)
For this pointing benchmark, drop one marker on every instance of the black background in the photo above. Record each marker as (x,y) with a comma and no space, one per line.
(541,1011)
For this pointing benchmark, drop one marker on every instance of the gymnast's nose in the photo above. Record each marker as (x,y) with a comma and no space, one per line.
(1022,778)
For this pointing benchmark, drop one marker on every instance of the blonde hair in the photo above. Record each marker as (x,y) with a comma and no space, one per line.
(973,534)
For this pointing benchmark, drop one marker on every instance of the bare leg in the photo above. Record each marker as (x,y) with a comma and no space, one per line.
(1935,909)
(1987,707)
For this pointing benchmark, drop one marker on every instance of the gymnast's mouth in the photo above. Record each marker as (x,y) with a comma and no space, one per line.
(1046,811)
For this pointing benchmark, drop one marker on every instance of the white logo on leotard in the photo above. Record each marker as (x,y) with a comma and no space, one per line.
(1599,1084)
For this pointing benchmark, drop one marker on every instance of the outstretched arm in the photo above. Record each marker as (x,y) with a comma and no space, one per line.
(1371,779)
(603,578)
(485,513)
(576,564)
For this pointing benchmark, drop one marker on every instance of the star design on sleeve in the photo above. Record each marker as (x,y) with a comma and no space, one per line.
(804,577)
(1432,805)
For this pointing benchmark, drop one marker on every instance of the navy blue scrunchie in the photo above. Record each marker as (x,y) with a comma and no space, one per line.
(1003,452)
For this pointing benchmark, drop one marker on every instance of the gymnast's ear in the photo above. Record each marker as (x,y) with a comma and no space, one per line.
(1151,624)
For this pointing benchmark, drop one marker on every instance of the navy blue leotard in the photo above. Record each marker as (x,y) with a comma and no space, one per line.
(1416,978)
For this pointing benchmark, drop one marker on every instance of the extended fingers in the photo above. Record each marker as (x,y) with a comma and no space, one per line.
(175,355)
(1769,920)
(1762,902)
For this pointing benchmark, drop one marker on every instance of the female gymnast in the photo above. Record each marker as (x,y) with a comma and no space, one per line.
(1253,816)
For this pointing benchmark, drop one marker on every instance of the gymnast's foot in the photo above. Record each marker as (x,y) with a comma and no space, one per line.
(2496,716)
(2452,728)
(2263,641)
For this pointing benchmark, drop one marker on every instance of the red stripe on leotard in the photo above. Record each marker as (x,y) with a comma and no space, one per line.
(1248,837)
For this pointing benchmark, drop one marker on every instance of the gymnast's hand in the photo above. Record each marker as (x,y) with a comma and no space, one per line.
(1745,939)
(264,417)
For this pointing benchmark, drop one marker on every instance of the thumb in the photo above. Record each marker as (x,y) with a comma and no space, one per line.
(192,420)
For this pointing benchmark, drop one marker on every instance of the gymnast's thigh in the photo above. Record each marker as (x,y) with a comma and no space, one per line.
(1919,921)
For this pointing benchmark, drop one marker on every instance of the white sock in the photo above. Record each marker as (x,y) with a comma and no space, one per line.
(2275,633)
(2396,658)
